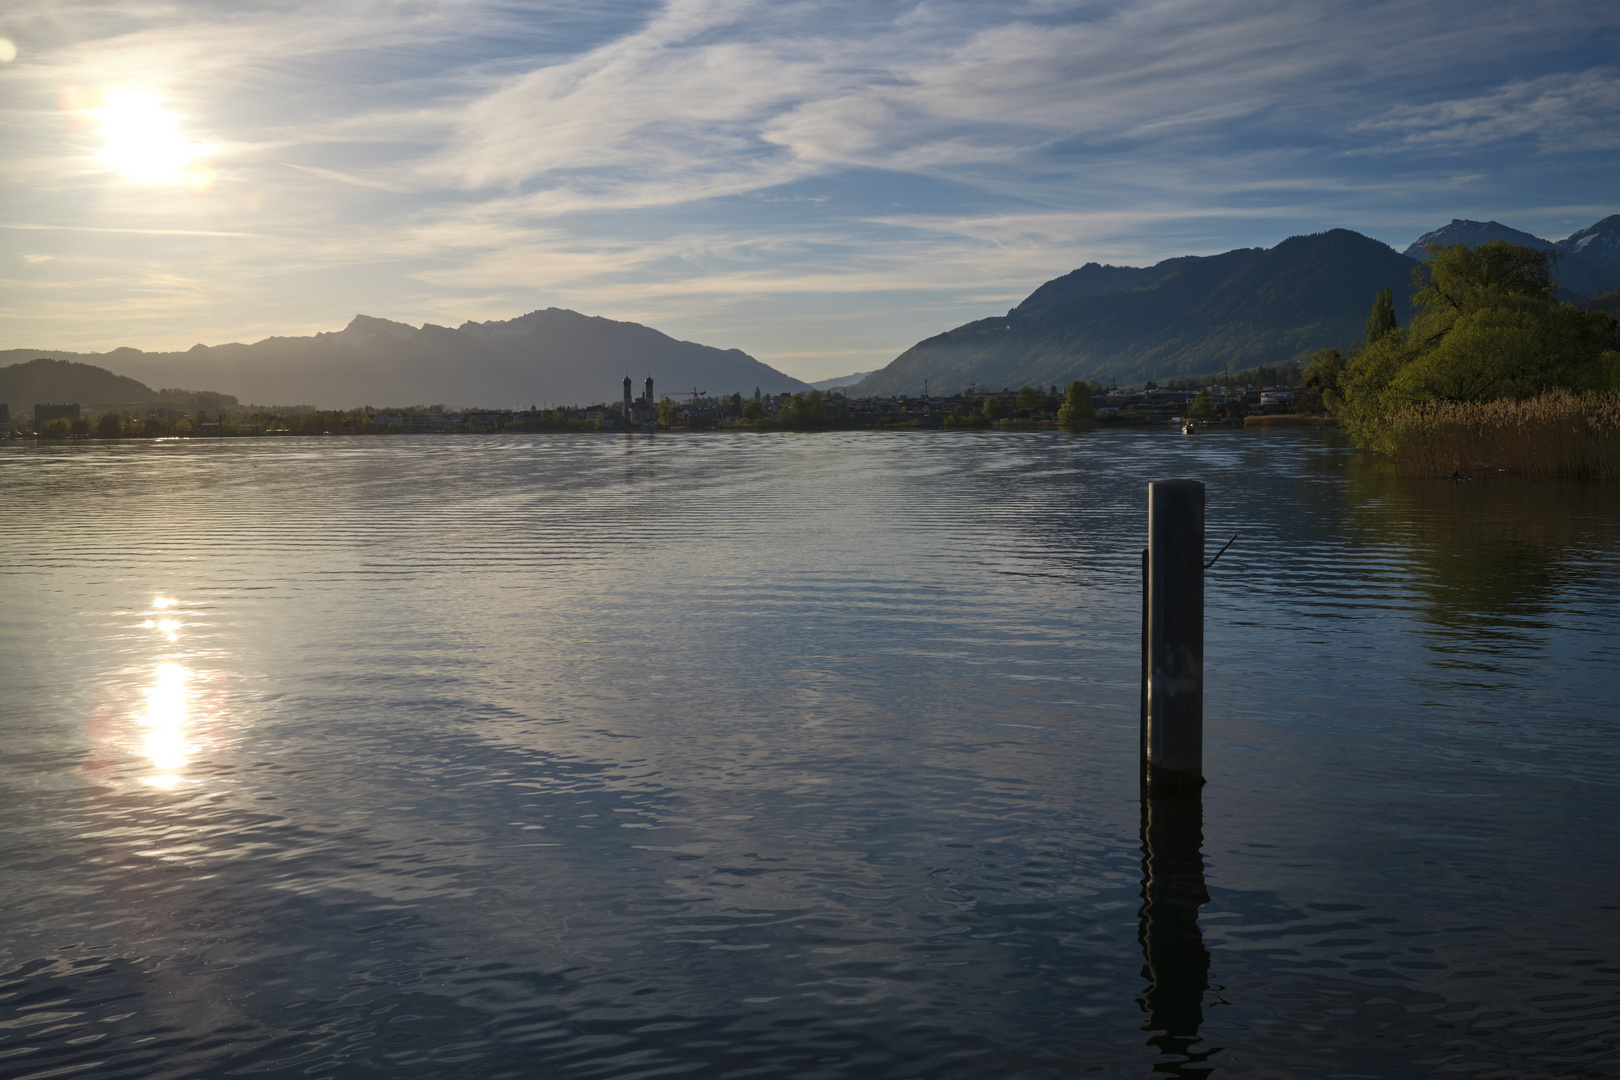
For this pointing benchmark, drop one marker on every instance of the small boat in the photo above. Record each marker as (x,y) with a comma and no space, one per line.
(1189,428)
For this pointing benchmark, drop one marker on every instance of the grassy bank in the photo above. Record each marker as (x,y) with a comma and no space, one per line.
(1556,434)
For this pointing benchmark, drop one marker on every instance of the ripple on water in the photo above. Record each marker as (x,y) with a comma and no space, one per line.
(793,755)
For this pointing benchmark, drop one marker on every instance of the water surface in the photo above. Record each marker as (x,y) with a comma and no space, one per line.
(795,755)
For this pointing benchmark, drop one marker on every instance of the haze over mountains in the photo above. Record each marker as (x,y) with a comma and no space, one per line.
(1200,314)
(552,356)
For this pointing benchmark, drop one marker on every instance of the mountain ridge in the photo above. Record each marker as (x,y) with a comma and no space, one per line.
(1195,314)
(1588,260)
(551,355)
(1183,316)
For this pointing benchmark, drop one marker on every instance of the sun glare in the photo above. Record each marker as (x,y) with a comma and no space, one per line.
(165,721)
(141,139)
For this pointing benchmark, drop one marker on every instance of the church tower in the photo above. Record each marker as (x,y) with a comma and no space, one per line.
(649,393)
(628,404)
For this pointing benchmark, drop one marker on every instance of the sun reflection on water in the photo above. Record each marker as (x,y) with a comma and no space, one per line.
(165,722)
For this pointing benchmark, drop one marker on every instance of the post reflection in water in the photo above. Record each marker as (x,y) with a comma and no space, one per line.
(1175,962)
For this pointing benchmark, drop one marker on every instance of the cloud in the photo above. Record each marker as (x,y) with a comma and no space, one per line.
(1562,112)
(730,163)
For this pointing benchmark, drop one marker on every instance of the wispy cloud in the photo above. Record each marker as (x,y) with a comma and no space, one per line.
(749,170)
(1563,112)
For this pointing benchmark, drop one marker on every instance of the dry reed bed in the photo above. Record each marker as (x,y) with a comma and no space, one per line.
(1556,434)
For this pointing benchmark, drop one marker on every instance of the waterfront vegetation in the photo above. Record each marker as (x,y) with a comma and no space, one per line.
(1493,372)
(1552,434)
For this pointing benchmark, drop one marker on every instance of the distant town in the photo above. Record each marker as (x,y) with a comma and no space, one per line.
(220,415)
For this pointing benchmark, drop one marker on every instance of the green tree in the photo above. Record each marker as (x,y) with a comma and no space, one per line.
(1487,326)
(1077,407)
(994,409)
(808,411)
(1029,399)
(1202,405)
(752,411)
(1382,320)
(109,426)
(668,414)
(59,428)
(1321,381)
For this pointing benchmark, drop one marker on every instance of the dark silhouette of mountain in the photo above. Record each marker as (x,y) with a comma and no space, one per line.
(44,380)
(842,380)
(552,356)
(1588,260)
(1598,245)
(1184,316)
(1474,233)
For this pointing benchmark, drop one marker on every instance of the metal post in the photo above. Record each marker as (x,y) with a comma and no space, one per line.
(1175,662)
(1142,753)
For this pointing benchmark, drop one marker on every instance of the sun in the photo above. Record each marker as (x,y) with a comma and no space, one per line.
(142,141)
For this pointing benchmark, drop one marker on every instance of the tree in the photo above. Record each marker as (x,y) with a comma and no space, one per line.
(1030,399)
(668,414)
(109,426)
(1077,407)
(753,411)
(1487,326)
(1321,381)
(1202,405)
(1382,321)
(994,408)
(807,412)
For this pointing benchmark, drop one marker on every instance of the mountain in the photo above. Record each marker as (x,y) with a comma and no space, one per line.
(842,380)
(43,380)
(1588,260)
(1474,233)
(1598,245)
(1183,316)
(552,356)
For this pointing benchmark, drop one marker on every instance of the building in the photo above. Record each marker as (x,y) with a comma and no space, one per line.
(1277,398)
(43,413)
(642,410)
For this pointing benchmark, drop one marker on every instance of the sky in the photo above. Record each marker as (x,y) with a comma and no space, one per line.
(820,184)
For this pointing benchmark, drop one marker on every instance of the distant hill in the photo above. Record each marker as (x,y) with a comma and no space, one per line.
(1588,260)
(551,356)
(842,380)
(45,380)
(1183,316)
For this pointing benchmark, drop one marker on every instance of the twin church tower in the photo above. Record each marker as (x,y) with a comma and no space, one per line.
(641,409)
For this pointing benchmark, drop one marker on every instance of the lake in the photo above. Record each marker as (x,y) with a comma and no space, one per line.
(796,755)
